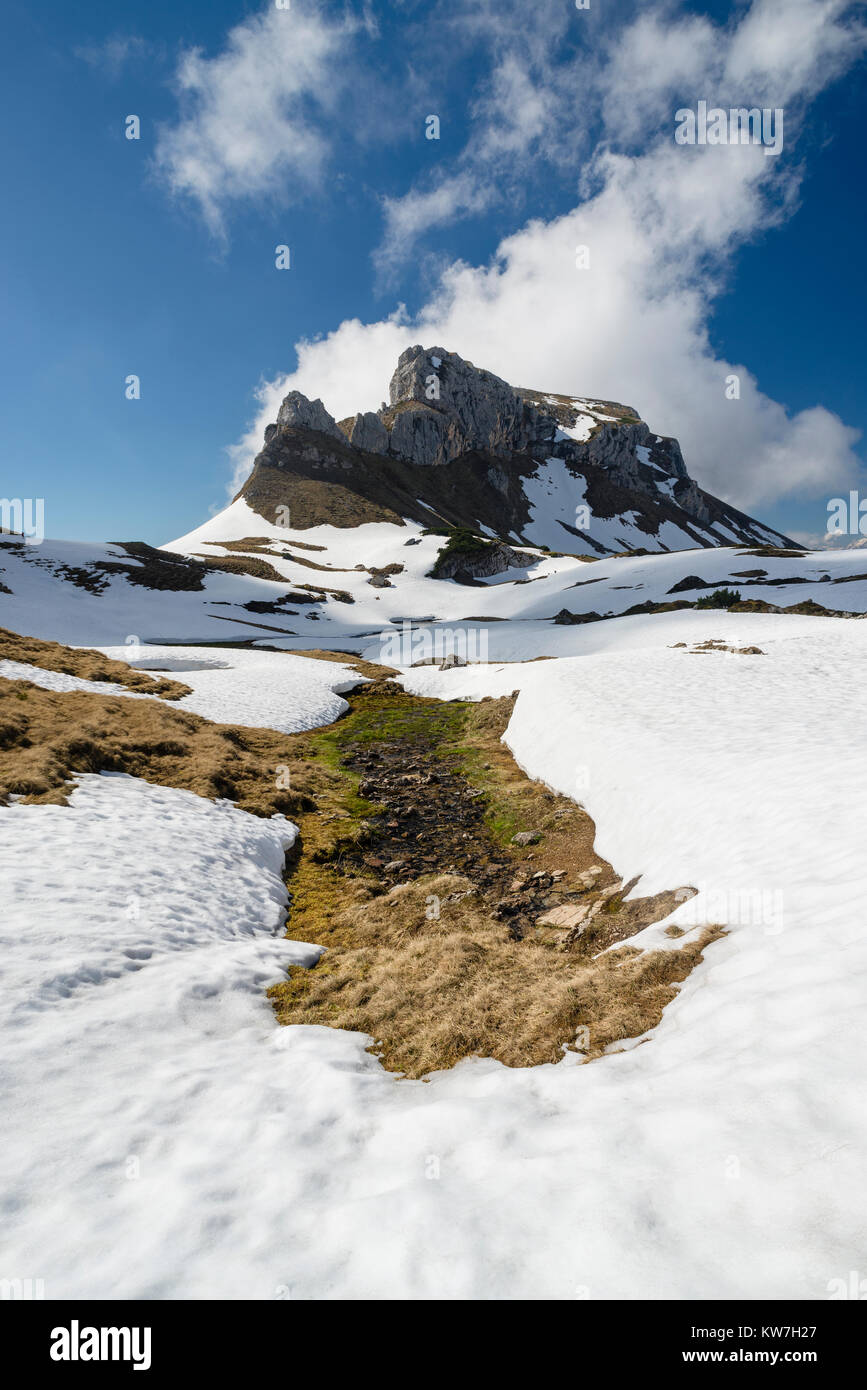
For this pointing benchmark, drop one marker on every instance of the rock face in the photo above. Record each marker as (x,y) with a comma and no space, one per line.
(441,407)
(368,432)
(422,436)
(298,411)
(479,441)
(451,407)
(495,558)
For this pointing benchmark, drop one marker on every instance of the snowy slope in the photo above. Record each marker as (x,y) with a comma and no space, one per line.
(259,689)
(325,598)
(722,1158)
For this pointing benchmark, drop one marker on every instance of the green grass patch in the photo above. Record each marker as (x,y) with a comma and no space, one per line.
(720,598)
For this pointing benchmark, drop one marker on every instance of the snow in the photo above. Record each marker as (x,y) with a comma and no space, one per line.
(184,1145)
(272,690)
(46,604)
(140,928)
(269,690)
(580,430)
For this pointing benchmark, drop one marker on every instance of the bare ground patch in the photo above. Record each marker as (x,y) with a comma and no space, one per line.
(445,936)
(445,939)
(47,737)
(84,662)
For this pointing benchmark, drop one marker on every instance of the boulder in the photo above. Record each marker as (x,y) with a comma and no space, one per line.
(567,917)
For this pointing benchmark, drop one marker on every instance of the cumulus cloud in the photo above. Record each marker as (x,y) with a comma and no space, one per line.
(251,117)
(662,225)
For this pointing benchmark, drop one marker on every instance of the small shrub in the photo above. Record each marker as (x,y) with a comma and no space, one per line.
(720,598)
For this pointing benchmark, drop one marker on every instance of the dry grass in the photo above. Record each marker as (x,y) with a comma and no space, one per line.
(88,664)
(356,663)
(252,565)
(47,737)
(431,992)
(430,971)
(425,966)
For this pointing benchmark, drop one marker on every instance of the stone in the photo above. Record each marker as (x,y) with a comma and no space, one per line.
(457,407)
(299,412)
(369,433)
(567,916)
(494,558)
(566,619)
(526,837)
(419,435)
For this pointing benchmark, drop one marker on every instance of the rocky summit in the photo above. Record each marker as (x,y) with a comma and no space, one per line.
(457,445)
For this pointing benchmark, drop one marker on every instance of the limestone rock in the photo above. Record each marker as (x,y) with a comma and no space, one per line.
(459,408)
(419,435)
(298,411)
(369,433)
(567,917)
(479,564)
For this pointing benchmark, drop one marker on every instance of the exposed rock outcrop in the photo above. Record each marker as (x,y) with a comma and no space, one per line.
(298,411)
(458,445)
(479,561)
(463,407)
(369,433)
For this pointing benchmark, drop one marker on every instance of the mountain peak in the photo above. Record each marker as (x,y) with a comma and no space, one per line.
(458,445)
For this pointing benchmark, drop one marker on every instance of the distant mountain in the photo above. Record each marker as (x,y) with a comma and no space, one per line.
(459,447)
(463,496)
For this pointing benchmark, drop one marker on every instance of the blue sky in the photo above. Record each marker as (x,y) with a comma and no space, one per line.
(156,257)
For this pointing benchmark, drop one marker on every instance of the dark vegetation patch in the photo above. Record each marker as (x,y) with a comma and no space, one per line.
(719,598)
(461,544)
(775,552)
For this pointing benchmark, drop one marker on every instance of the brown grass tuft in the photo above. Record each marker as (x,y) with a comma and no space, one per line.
(84,662)
(46,737)
(427,966)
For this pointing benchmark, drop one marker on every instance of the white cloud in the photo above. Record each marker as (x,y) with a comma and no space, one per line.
(790,49)
(250,123)
(418,212)
(662,227)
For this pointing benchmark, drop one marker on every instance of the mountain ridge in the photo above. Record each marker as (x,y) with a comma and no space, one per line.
(457,446)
